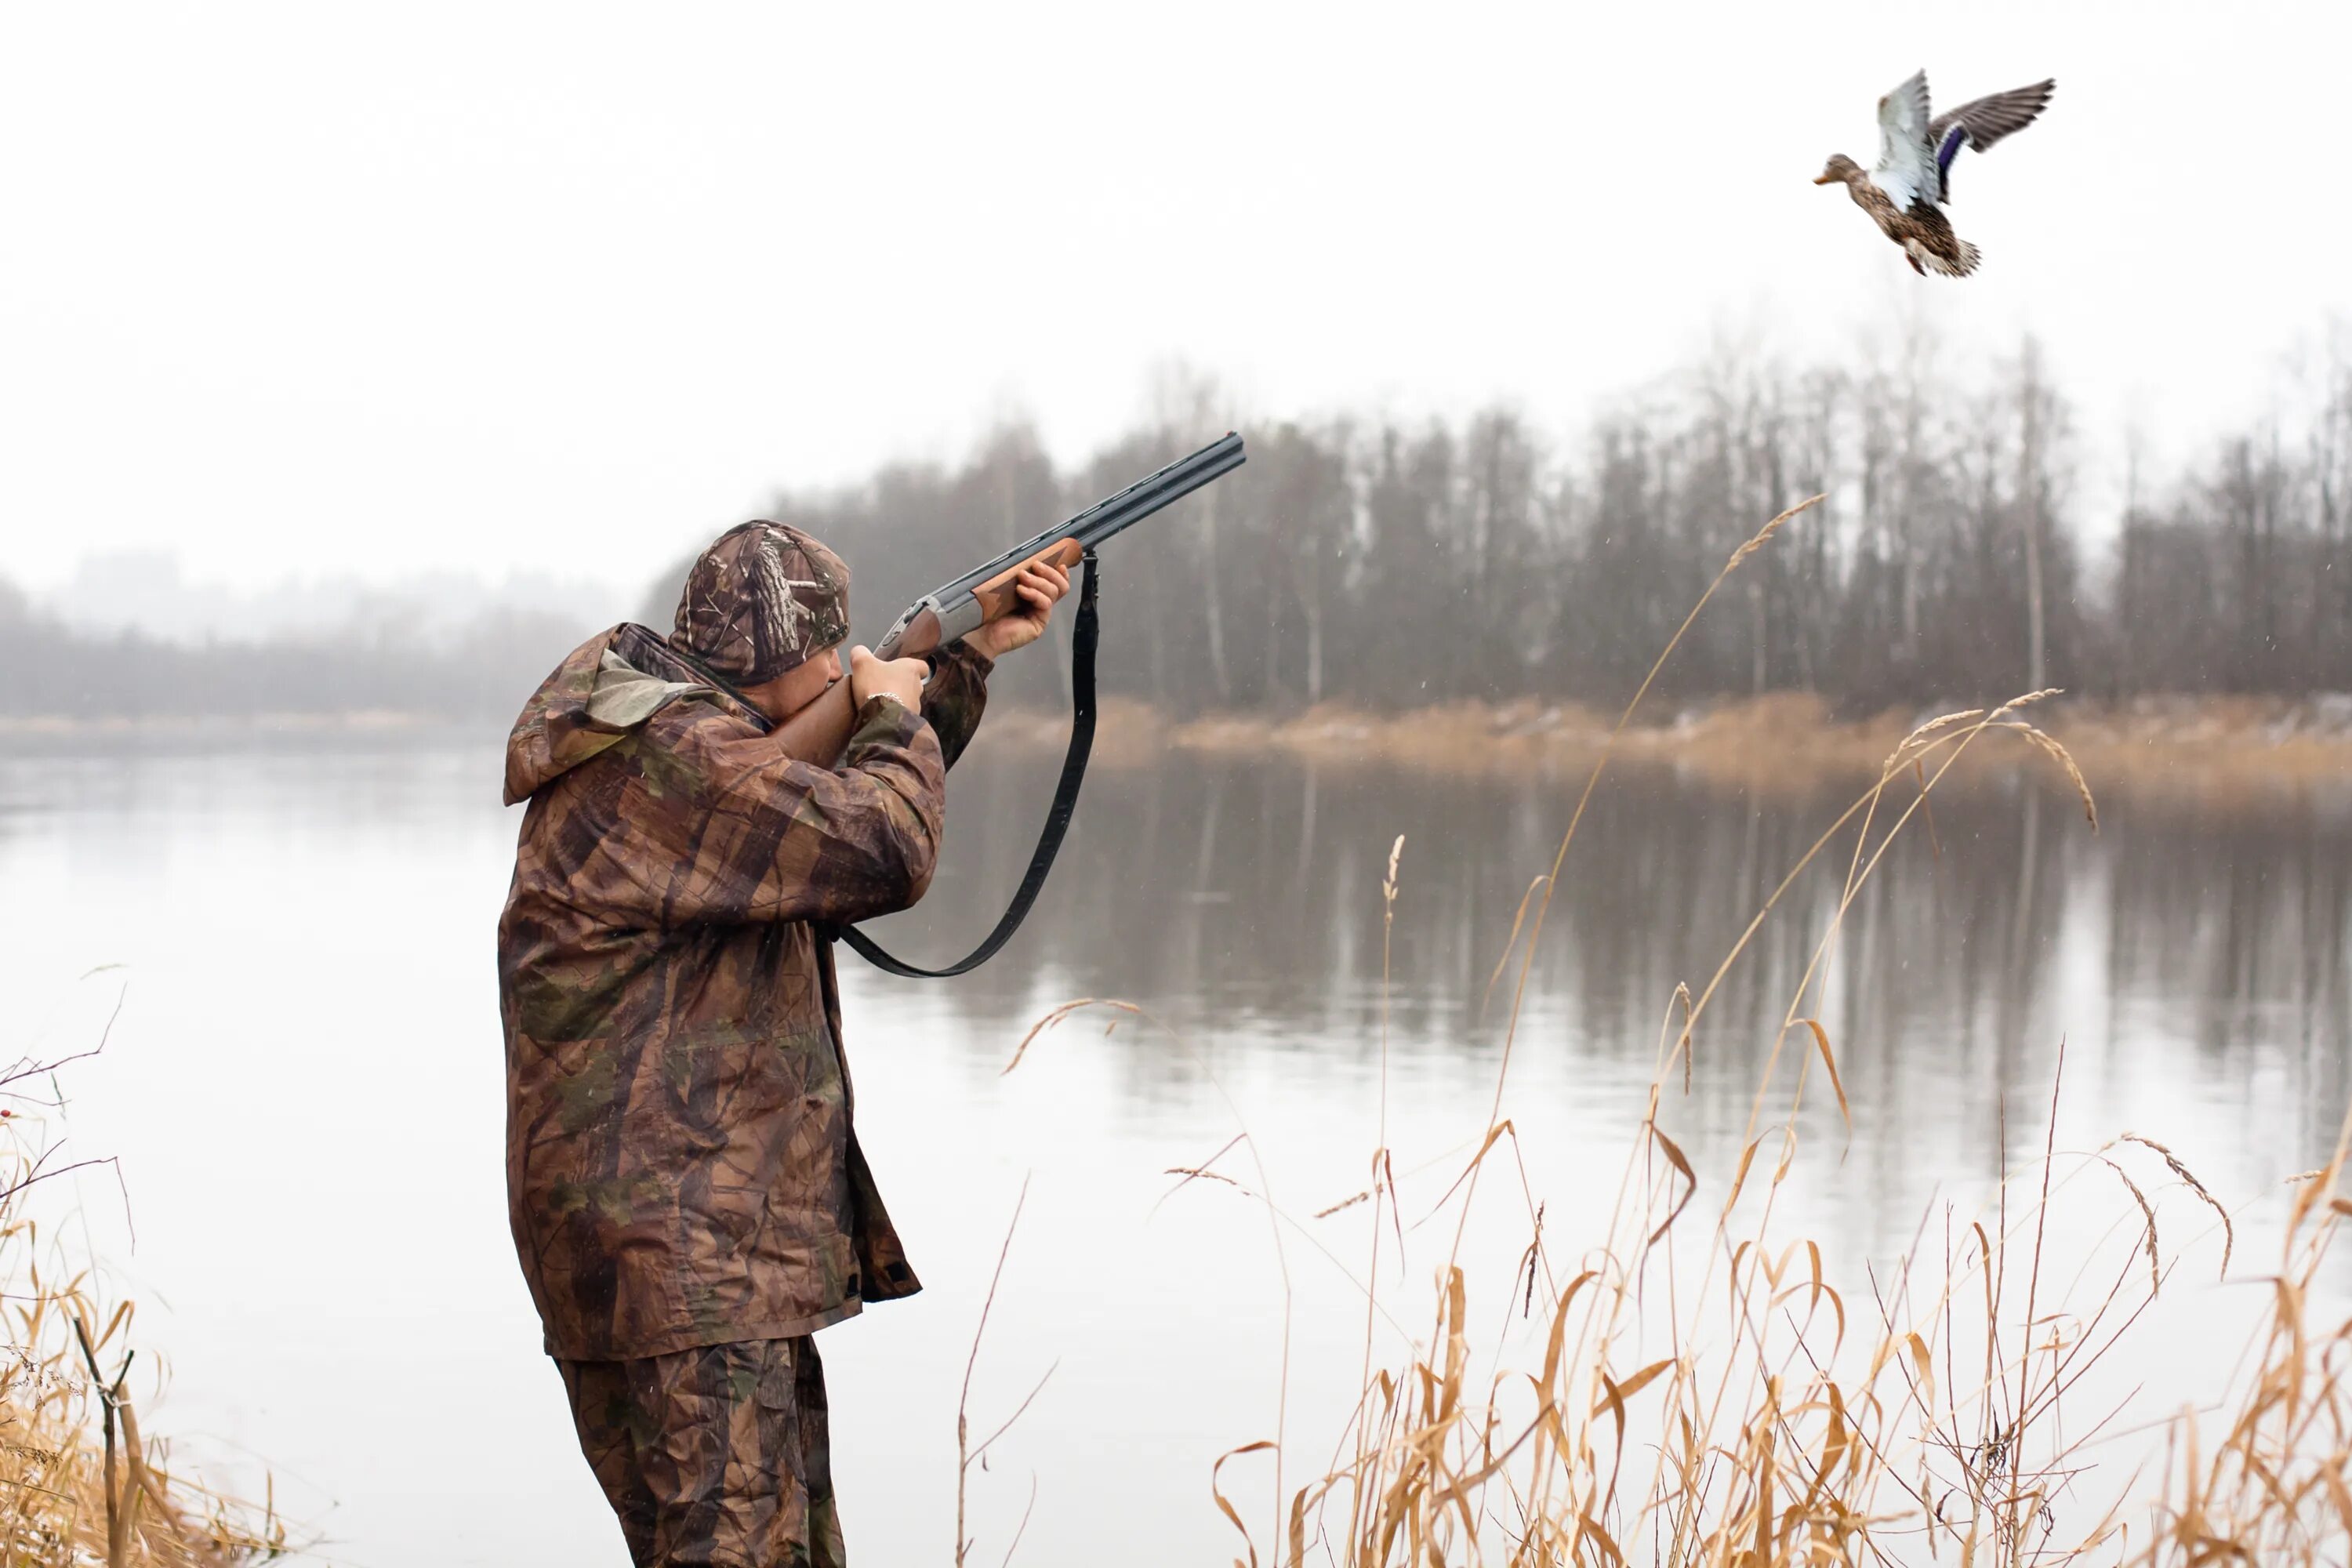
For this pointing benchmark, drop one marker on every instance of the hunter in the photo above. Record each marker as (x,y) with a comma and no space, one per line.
(683,1180)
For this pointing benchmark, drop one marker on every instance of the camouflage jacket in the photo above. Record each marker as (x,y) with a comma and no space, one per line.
(681,1169)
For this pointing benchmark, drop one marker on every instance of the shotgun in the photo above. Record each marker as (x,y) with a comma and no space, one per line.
(820,731)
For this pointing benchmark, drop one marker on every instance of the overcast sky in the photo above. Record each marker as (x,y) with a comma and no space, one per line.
(318,288)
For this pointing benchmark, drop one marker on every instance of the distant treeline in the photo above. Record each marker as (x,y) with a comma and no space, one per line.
(1391,565)
(479,674)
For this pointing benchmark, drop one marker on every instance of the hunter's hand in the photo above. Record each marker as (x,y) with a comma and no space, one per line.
(901,678)
(1038,587)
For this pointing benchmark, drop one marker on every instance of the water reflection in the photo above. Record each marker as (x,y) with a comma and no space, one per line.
(312,1030)
(1241,900)
(1247,899)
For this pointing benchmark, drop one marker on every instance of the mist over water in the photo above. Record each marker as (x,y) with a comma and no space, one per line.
(305,1081)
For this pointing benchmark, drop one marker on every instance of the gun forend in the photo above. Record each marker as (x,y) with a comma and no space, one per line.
(941,619)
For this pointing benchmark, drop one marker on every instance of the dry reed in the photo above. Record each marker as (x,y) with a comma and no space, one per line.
(80,1484)
(1774,1440)
(1792,1418)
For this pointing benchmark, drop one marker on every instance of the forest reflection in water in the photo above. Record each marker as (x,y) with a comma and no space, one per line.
(307,934)
(2214,946)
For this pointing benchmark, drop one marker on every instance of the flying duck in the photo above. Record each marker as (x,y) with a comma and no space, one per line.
(1904,194)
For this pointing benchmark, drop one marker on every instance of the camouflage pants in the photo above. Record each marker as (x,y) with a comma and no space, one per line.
(717,1456)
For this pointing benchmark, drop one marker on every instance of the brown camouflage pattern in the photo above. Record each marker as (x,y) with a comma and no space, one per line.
(681,1166)
(762,599)
(715,1456)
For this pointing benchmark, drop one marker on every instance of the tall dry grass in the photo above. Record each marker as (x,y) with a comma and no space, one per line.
(1707,1393)
(81,1485)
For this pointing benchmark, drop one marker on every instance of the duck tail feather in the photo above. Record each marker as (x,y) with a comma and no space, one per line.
(1958,260)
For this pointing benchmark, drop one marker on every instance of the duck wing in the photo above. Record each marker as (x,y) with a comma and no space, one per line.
(1907,169)
(1988,118)
(1981,122)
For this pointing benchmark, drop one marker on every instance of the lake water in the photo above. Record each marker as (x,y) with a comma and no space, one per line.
(304,1085)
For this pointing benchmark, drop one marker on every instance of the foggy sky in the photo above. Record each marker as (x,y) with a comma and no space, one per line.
(303,290)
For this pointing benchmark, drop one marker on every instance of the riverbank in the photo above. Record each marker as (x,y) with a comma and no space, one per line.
(1782,744)
(2210,749)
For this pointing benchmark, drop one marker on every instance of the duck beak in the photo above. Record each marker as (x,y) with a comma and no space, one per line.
(1824,179)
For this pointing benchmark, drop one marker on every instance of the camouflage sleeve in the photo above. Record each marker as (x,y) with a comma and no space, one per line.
(956,697)
(742,833)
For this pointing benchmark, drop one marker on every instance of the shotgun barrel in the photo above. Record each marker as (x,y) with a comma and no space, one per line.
(945,614)
(957,609)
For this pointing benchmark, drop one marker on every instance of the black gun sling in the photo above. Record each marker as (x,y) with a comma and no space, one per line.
(1057,821)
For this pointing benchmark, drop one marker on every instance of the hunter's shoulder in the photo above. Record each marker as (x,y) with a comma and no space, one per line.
(696,720)
(696,745)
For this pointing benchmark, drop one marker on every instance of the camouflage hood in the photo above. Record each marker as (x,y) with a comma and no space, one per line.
(604,689)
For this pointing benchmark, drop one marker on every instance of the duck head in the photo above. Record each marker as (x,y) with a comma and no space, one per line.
(1840,170)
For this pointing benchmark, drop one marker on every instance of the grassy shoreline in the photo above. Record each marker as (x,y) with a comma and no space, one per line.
(1779,744)
(2211,750)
